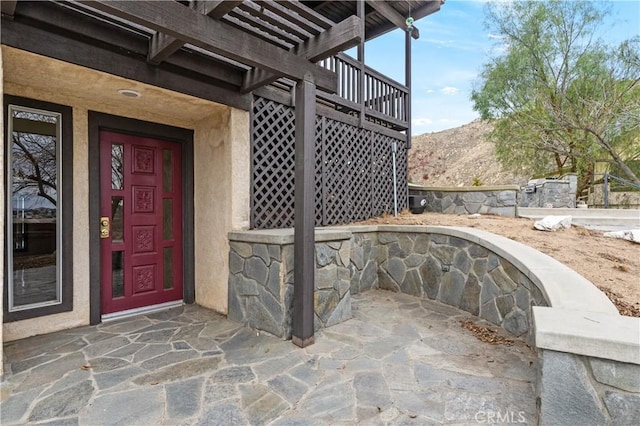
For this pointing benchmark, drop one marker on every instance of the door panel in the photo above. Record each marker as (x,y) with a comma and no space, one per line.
(141,196)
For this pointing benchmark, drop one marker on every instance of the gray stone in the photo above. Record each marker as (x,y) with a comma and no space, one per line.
(523,301)
(273,282)
(324,254)
(236,263)
(395,250)
(501,279)
(246,287)
(406,243)
(357,257)
(345,253)
(396,269)
(168,359)
(243,249)
(261,318)
(261,251)
(431,273)
(414,260)
(67,402)
(150,351)
(256,269)
(183,398)
(47,373)
(224,414)
(505,304)
(260,404)
(623,408)
(15,406)
(476,251)
(386,283)
(474,197)
(516,323)
(326,276)
(511,271)
(458,242)
(160,336)
(372,390)
(128,410)
(493,262)
(369,278)
(326,302)
(621,375)
(443,253)
(480,267)
(451,289)
(274,252)
(72,421)
(490,312)
(421,244)
(290,389)
(343,273)
(342,286)
(470,301)
(288,256)
(100,365)
(20,366)
(387,237)
(179,371)
(335,244)
(188,332)
(507,198)
(412,284)
(567,395)
(473,208)
(112,378)
(241,374)
(235,311)
(462,262)
(181,346)
(342,312)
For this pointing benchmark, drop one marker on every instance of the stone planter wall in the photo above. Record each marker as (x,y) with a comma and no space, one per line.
(261,266)
(498,200)
(589,355)
(554,193)
(453,271)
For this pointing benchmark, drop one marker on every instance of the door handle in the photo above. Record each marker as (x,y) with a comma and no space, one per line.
(105,228)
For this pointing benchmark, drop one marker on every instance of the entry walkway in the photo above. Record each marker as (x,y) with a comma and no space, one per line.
(400,360)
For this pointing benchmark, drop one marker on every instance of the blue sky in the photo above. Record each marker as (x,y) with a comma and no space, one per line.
(449,54)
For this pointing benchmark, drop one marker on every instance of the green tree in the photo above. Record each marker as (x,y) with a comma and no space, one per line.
(560,96)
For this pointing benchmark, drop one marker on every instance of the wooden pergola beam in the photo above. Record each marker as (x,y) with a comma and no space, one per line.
(342,36)
(161,45)
(193,27)
(392,15)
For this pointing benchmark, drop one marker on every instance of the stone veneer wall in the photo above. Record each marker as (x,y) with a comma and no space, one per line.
(449,269)
(585,390)
(550,192)
(498,200)
(261,283)
(589,369)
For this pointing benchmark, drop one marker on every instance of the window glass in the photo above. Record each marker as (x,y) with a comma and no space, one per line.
(34,203)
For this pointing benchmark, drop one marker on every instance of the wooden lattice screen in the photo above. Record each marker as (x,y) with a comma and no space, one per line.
(354,169)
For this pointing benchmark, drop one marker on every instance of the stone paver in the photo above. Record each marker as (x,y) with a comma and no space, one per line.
(400,360)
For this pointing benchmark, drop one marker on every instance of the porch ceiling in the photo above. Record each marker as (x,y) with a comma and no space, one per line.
(241,44)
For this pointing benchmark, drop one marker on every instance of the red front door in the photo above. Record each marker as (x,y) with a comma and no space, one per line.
(141,221)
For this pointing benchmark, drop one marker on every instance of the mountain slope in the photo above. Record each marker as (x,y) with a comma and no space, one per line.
(457,157)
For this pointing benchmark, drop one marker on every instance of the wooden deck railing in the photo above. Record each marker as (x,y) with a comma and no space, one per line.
(379,97)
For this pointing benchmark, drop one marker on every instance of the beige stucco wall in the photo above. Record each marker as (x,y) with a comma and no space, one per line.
(221,136)
(225,138)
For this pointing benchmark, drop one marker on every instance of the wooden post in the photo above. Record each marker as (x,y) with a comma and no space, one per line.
(304,221)
(407,82)
(360,11)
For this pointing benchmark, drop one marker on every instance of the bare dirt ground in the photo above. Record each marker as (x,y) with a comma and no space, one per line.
(613,265)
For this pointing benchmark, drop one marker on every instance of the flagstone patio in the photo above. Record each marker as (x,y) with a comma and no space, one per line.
(400,360)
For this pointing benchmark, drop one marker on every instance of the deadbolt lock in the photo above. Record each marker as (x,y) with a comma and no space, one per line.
(104,227)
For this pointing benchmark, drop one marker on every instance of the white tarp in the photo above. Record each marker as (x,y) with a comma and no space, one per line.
(553,223)
(632,235)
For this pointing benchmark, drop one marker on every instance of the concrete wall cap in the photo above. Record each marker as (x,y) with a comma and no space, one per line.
(465,188)
(286,236)
(587,333)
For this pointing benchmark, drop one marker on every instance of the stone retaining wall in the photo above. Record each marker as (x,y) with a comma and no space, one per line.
(459,273)
(589,355)
(550,192)
(261,268)
(498,200)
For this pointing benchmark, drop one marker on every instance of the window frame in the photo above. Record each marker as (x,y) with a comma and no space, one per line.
(64,225)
